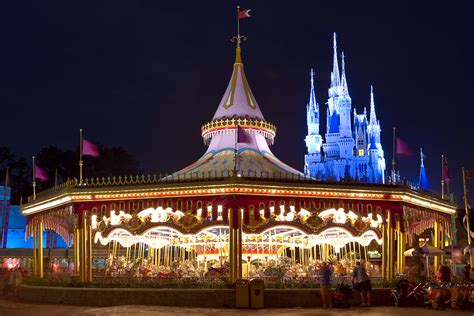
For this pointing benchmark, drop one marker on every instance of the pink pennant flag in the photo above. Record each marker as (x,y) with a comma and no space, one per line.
(402,148)
(446,176)
(89,149)
(40,174)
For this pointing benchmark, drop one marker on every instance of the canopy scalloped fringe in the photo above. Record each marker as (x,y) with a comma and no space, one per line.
(418,221)
(59,222)
(51,225)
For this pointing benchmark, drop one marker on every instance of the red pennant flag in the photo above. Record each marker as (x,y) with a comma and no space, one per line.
(242,135)
(89,149)
(243,14)
(446,176)
(402,148)
(40,174)
(469,174)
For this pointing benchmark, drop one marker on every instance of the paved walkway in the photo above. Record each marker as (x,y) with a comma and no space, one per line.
(12,307)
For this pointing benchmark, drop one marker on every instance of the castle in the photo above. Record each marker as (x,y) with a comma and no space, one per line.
(351,148)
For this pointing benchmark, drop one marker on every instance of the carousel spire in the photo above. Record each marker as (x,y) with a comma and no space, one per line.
(238,100)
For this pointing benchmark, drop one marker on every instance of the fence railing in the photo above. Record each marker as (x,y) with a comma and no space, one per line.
(219,176)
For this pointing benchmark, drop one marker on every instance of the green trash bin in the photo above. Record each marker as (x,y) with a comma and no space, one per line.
(257,288)
(242,293)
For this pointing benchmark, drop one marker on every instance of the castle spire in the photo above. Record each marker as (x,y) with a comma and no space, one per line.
(423,180)
(373,117)
(312,109)
(345,90)
(312,94)
(335,78)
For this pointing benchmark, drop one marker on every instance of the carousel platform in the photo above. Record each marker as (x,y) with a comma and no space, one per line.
(218,298)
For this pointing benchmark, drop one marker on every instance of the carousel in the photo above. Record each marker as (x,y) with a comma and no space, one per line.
(238,211)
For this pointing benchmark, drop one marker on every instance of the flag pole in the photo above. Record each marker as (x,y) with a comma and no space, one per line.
(442,176)
(56,178)
(80,156)
(447,182)
(237,126)
(393,155)
(34,179)
(238,27)
(4,207)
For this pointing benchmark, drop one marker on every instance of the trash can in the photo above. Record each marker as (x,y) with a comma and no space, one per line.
(242,293)
(257,287)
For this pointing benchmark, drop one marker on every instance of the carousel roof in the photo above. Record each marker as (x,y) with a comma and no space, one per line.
(238,100)
(238,129)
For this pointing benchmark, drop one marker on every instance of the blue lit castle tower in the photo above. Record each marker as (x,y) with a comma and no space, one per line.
(352,148)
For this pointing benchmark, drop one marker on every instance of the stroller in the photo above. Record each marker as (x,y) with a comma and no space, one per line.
(417,294)
(342,295)
(460,294)
(399,295)
(439,295)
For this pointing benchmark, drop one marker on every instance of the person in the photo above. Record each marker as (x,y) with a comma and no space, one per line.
(362,283)
(325,283)
(467,272)
(444,273)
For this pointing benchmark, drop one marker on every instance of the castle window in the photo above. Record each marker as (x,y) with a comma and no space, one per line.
(361,152)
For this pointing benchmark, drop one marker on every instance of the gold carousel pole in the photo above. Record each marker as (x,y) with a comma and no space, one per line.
(76,249)
(436,244)
(82,249)
(35,251)
(40,249)
(232,247)
(89,259)
(239,244)
(390,248)
(81,261)
(384,249)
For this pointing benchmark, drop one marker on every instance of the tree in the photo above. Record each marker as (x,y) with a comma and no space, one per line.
(113,161)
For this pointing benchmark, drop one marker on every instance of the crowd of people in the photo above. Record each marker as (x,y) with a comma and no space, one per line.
(11,279)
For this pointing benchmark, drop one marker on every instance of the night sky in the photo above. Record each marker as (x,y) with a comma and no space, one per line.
(146,75)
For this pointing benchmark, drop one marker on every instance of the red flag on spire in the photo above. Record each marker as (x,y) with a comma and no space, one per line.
(40,174)
(242,136)
(244,13)
(402,148)
(89,149)
(446,176)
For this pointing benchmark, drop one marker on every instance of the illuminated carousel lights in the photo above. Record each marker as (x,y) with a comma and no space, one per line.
(241,190)
(228,126)
(215,239)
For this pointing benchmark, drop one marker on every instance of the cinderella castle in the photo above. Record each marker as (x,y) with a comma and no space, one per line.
(351,148)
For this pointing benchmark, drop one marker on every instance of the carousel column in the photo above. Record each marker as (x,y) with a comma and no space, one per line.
(75,241)
(400,248)
(90,251)
(436,229)
(85,251)
(442,237)
(403,242)
(235,245)
(232,248)
(239,244)
(384,250)
(391,250)
(40,249)
(81,253)
(35,251)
